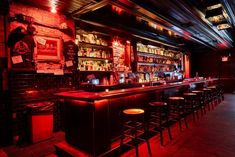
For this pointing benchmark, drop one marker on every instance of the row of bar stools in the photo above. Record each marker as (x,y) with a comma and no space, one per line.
(134,124)
(177,110)
(200,100)
(191,105)
(159,118)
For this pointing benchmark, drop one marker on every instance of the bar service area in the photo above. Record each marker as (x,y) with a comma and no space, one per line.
(110,78)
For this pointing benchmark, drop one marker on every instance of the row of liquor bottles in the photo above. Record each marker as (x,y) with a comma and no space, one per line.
(158,51)
(95,55)
(154,68)
(94,52)
(149,59)
(94,65)
(90,38)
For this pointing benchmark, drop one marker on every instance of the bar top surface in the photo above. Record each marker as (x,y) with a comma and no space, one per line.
(92,96)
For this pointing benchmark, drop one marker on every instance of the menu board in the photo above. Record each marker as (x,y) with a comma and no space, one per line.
(70,55)
(119,56)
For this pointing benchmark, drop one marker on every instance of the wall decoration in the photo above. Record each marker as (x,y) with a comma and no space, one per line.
(48,48)
(118,55)
(70,51)
(49,67)
(17,59)
(21,45)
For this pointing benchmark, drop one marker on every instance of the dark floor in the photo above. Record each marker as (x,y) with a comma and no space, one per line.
(213,135)
(40,149)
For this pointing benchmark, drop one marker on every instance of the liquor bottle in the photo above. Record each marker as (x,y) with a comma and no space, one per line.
(92,53)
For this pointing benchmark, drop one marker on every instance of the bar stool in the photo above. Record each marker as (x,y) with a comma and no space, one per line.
(208,98)
(200,100)
(177,110)
(190,104)
(159,118)
(220,92)
(214,95)
(133,126)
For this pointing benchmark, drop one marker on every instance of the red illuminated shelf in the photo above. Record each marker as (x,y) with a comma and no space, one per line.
(156,64)
(154,71)
(93,45)
(154,55)
(94,58)
(95,71)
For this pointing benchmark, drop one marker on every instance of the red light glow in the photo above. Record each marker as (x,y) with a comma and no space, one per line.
(187,35)
(31,92)
(116,9)
(222,45)
(115,43)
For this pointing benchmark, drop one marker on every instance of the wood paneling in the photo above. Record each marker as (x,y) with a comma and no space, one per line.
(30,87)
(64,6)
(209,64)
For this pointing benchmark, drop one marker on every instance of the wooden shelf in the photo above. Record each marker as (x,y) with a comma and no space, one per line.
(95,71)
(156,64)
(94,58)
(154,55)
(93,45)
(155,71)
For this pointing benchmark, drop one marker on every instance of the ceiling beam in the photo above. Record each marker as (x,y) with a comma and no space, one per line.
(204,27)
(126,30)
(152,16)
(92,6)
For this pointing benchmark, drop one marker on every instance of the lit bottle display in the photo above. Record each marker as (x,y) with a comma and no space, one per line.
(94,53)
(94,65)
(154,62)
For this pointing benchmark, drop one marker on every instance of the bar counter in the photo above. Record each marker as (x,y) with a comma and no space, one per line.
(92,119)
(93,96)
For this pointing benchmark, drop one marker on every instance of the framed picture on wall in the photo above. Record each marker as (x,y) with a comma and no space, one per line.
(48,48)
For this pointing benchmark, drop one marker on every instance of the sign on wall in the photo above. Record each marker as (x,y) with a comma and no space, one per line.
(47,48)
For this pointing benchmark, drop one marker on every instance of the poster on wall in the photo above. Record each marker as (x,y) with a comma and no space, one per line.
(70,50)
(47,48)
(48,55)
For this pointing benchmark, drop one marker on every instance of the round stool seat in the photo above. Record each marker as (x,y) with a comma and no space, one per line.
(212,87)
(176,98)
(206,89)
(190,94)
(197,91)
(158,104)
(133,111)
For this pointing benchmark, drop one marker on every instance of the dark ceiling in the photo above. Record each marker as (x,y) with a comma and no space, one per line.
(185,18)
